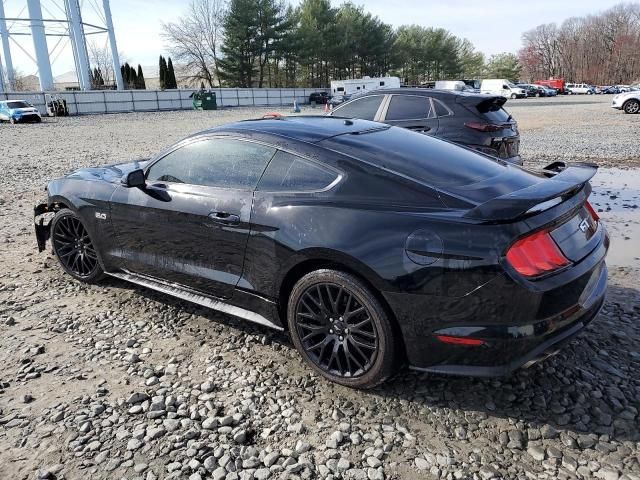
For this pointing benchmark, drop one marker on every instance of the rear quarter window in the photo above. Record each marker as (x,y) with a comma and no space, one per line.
(289,172)
(409,107)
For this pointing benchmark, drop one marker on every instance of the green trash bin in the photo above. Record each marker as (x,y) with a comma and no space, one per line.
(204,100)
(209,101)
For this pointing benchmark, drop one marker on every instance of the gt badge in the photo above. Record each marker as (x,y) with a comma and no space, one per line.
(584,226)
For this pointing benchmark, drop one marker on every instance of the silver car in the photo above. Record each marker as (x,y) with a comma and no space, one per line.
(628,102)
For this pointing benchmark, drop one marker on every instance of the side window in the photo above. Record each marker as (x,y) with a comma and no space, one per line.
(440,109)
(288,172)
(214,162)
(409,107)
(364,108)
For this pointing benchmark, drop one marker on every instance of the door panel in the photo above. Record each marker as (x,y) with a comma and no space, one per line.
(192,235)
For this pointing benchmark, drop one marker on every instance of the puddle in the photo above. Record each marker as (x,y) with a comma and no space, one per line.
(616,198)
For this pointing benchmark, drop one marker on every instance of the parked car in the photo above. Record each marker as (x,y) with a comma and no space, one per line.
(319,98)
(18,111)
(476,121)
(533,90)
(501,87)
(370,245)
(610,89)
(549,92)
(628,102)
(579,89)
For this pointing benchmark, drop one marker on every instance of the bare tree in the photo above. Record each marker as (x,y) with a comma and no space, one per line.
(194,39)
(599,49)
(100,58)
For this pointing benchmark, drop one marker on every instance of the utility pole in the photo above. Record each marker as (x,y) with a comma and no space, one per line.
(79,44)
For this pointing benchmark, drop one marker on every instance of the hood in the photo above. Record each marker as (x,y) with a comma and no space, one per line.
(109,173)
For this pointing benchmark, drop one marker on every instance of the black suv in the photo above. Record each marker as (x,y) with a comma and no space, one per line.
(319,97)
(474,120)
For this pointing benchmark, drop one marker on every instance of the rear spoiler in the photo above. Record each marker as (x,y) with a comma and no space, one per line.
(538,197)
(482,102)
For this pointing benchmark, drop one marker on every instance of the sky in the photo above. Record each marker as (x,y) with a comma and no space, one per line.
(493,26)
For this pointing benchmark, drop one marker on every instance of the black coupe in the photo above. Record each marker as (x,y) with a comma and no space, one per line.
(373,246)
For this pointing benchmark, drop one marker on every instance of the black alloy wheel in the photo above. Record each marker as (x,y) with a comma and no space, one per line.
(74,248)
(341,329)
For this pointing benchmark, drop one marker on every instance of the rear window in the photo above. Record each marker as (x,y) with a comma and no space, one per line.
(409,107)
(493,113)
(418,156)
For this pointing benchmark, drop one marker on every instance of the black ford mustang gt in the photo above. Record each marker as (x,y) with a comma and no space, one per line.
(372,245)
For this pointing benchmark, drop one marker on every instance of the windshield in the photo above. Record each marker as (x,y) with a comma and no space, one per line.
(18,104)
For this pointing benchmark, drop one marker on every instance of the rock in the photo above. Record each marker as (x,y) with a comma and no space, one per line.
(137,397)
(155,432)
(27,398)
(270,459)
(487,472)
(421,463)
(219,474)
(607,473)
(262,474)
(140,467)
(302,447)
(207,387)
(134,444)
(171,425)
(537,453)
(132,358)
(93,446)
(240,436)
(343,465)
(210,423)
(210,463)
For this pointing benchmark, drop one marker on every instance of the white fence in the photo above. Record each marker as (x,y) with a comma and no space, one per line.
(118,101)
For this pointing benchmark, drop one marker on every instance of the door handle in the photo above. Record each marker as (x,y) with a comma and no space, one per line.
(225,218)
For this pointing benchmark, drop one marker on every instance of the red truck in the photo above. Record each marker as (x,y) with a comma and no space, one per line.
(556,83)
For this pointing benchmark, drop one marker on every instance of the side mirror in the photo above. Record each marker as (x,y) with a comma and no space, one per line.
(135,178)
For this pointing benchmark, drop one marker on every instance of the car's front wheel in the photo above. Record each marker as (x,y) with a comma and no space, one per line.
(74,248)
(341,329)
(632,106)
(513,95)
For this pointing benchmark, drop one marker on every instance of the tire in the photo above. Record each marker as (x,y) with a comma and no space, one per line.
(74,248)
(12,121)
(513,95)
(362,349)
(631,107)
(537,94)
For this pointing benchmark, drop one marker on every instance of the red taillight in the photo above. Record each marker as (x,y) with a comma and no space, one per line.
(484,127)
(460,340)
(535,255)
(592,211)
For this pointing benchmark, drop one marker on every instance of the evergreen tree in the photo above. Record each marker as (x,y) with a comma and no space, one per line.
(141,84)
(133,78)
(127,76)
(162,72)
(170,81)
(242,45)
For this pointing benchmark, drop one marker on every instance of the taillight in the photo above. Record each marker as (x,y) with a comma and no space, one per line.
(592,212)
(484,127)
(535,255)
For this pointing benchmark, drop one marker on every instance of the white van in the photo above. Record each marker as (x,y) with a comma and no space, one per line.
(503,87)
(579,89)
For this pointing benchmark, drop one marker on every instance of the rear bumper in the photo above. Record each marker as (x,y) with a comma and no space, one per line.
(510,347)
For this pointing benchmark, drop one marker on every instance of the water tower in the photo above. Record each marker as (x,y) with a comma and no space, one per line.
(69,24)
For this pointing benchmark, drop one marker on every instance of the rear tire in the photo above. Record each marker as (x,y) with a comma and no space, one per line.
(631,107)
(513,95)
(74,248)
(341,330)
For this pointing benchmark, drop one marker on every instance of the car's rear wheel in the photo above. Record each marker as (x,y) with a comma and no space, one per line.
(74,248)
(513,95)
(632,106)
(341,329)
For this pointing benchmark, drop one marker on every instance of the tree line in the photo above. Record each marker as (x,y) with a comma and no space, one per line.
(598,49)
(270,43)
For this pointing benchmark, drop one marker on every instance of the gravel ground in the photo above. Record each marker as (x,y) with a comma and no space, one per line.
(115,381)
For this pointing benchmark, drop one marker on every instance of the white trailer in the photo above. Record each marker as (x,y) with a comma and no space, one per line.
(364,84)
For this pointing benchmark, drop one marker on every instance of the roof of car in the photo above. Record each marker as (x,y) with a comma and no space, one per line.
(306,128)
(432,92)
